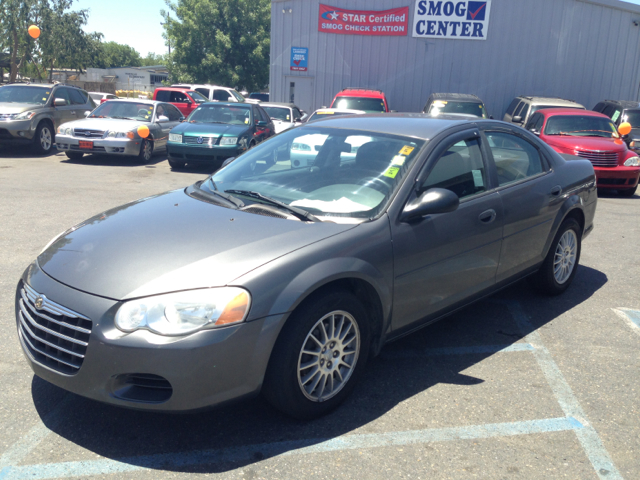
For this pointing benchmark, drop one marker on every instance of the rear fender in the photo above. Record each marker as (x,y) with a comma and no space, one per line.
(571,204)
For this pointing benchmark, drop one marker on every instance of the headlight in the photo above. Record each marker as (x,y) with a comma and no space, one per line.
(64,130)
(228,140)
(175,137)
(185,312)
(632,162)
(25,116)
(120,134)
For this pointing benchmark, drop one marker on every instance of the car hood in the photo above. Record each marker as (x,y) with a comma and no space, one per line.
(586,143)
(210,128)
(107,124)
(11,108)
(172,242)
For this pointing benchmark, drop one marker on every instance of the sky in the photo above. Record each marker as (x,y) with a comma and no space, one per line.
(133,22)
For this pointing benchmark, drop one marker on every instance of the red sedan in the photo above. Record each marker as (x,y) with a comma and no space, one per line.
(593,136)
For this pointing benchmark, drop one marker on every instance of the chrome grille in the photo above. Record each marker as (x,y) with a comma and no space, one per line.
(53,335)
(599,158)
(7,116)
(87,133)
(206,140)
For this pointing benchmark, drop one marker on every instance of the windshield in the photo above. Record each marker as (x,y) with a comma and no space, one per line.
(125,110)
(215,113)
(464,108)
(24,94)
(348,175)
(96,96)
(279,113)
(239,97)
(369,105)
(633,117)
(580,126)
(197,96)
(323,115)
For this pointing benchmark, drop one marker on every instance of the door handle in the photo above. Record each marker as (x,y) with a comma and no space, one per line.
(557,190)
(488,216)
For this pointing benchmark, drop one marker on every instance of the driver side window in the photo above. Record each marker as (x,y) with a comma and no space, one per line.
(172,113)
(459,169)
(514,157)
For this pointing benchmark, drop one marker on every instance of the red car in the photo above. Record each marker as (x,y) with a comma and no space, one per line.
(593,136)
(371,101)
(184,99)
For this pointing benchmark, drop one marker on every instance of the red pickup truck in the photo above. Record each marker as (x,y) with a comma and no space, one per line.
(184,99)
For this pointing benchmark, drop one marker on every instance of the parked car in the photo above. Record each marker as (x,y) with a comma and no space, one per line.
(217,93)
(521,108)
(371,101)
(620,111)
(113,129)
(458,103)
(183,99)
(31,113)
(101,97)
(216,131)
(268,277)
(593,136)
(327,113)
(263,97)
(284,115)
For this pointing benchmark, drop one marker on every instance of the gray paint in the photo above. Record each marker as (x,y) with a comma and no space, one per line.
(582,50)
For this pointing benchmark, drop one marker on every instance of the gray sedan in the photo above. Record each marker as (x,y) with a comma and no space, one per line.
(283,279)
(137,128)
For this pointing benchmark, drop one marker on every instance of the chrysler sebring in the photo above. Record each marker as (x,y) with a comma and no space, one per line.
(283,279)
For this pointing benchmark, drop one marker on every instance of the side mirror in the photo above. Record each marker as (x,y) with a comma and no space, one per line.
(227,162)
(534,131)
(59,102)
(87,113)
(516,119)
(163,119)
(434,200)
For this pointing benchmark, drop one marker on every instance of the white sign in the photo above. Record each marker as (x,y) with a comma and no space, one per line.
(460,20)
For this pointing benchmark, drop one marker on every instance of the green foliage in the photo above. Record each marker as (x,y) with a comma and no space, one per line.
(219,41)
(112,54)
(153,59)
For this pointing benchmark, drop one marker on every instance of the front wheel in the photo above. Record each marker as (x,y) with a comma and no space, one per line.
(74,155)
(175,165)
(560,266)
(43,139)
(319,356)
(146,151)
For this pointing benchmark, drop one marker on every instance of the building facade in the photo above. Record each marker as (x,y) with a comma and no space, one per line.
(583,50)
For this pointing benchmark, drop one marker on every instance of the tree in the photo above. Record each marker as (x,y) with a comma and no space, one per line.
(112,54)
(153,59)
(219,41)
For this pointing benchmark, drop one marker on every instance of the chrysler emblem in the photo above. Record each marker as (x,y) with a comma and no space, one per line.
(39,302)
(200,140)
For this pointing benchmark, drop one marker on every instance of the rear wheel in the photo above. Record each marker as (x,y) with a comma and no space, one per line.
(43,139)
(560,266)
(74,155)
(628,192)
(319,356)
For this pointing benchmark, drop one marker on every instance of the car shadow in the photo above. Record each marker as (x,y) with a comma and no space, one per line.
(24,151)
(610,193)
(99,160)
(250,431)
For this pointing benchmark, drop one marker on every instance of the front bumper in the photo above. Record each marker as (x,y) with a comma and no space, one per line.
(202,153)
(17,131)
(112,146)
(617,177)
(202,370)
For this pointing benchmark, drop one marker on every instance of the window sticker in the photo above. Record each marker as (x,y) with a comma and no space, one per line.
(44,99)
(392,172)
(47,93)
(288,117)
(616,115)
(325,113)
(439,103)
(398,160)
(246,121)
(477,178)
(406,150)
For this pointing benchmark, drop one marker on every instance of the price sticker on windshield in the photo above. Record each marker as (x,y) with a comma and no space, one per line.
(398,160)
(392,172)
(406,150)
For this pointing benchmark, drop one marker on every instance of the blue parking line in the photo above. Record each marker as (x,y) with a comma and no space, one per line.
(294,447)
(588,437)
(631,316)
(473,350)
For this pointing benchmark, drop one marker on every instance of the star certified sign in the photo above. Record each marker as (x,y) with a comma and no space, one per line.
(460,20)
(363,22)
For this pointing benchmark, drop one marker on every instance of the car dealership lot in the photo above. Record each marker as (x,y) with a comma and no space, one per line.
(517,386)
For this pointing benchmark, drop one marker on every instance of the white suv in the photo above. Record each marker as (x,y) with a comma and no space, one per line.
(217,93)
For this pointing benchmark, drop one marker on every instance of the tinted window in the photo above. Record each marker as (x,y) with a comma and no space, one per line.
(221,95)
(512,106)
(163,95)
(296,113)
(608,110)
(110,97)
(460,169)
(514,157)
(599,107)
(62,93)
(264,115)
(279,113)
(524,112)
(216,113)
(172,112)
(359,103)
(535,118)
(178,97)
(519,109)
(76,97)
(204,91)
(197,97)
(633,117)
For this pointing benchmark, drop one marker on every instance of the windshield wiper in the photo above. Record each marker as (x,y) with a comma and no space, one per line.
(229,198)
(298,212)
(121,118)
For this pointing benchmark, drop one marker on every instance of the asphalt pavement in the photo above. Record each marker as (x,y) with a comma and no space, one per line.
(518,386)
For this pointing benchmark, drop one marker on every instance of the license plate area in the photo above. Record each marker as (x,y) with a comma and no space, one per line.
(85,144)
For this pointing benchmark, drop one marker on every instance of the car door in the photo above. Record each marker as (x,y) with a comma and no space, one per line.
(67,112)
(530,195)
(79,102)
(174,115)
(443,259)
(182,102)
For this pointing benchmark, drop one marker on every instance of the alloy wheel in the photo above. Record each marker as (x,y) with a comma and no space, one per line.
(45,139)
(565,256)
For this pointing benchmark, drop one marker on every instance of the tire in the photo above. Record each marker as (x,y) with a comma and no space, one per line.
(628,192)
(560,266)
(146,151)
(74,155)
(293,380)
(176,165)
(43,139)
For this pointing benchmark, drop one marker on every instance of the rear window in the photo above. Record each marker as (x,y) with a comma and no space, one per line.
(163,95)
(359,103)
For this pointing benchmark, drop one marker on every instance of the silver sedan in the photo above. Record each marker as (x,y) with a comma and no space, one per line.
(137,128)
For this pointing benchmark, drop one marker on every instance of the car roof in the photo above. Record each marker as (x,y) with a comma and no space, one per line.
(417,125)
(625,103)
(174,89)
(458,97)
(360,92)
(551,112)
(550,100)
